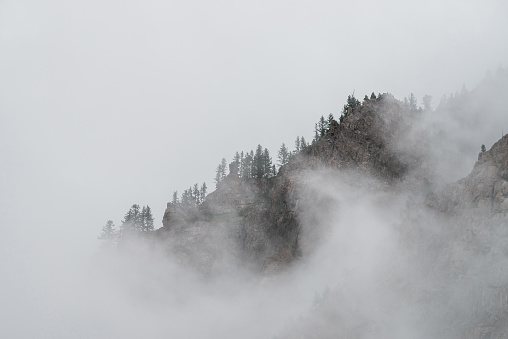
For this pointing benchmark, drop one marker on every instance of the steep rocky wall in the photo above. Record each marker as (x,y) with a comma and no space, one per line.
(260,218)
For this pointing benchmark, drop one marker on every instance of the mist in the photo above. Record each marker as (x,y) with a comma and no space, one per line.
(103,105)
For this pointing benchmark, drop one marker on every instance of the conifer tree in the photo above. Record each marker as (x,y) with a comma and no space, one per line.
(242,164)
(247,166)
(223,165)
(483,149)
(412,103)
(237,164)
(147,219)
(352,101)
(303,144)
(196,194)
(186,198)
(175,200)
(323,127)
(267,164)
(202,192)
(132,219)
(283,154)
(297,144)
(108,234)
(252,169)
(218,176)
(258,164)
(373,96)
(329,122)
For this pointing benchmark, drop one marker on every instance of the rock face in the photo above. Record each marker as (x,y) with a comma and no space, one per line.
(453,276)
(260,218)
(473,250)
(447,277)
(485,188)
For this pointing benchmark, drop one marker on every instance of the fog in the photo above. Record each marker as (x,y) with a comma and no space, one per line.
(107,104)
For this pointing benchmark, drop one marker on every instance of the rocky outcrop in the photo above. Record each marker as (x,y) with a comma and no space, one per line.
(260,218)
(485,188)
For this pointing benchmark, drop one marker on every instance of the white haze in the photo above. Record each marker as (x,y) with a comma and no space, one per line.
(106,104)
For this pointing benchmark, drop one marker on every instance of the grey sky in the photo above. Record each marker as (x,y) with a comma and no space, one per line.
(106,104)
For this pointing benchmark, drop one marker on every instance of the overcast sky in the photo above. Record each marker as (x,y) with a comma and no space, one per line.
(104,104)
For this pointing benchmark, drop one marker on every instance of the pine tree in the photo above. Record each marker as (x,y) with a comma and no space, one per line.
(186,198)
(297,144)
(196,194)
(283,154)
(202,192)
(303,144)
(258,164)
(483,149)
(142,219)
(412,103)
(223,165)
(236,164)
(373,96)
(267,164)
(329,122)
(352,101)
(132,219)
(246,171)
(175,200)
(242,164)
(147,218)
(322,126)
(218,176)
(109,234)
(252,169)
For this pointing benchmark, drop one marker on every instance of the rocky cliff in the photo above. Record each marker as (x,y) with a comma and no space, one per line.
(257,221)
(448,276)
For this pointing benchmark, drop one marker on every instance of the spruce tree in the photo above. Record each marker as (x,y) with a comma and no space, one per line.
(247,165)
(218,176)
(108,234)
(303,144)
(412,103)
(283,154)
(483,149)
(202,192)
(258,164)
(323,127)
(186,198)
(147,218)
(175,200)
(373,96)
(223,165)
(297,144)
(267,164)
(132,219)
(329,122)
(196,194)
(242,164)
(237,164)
